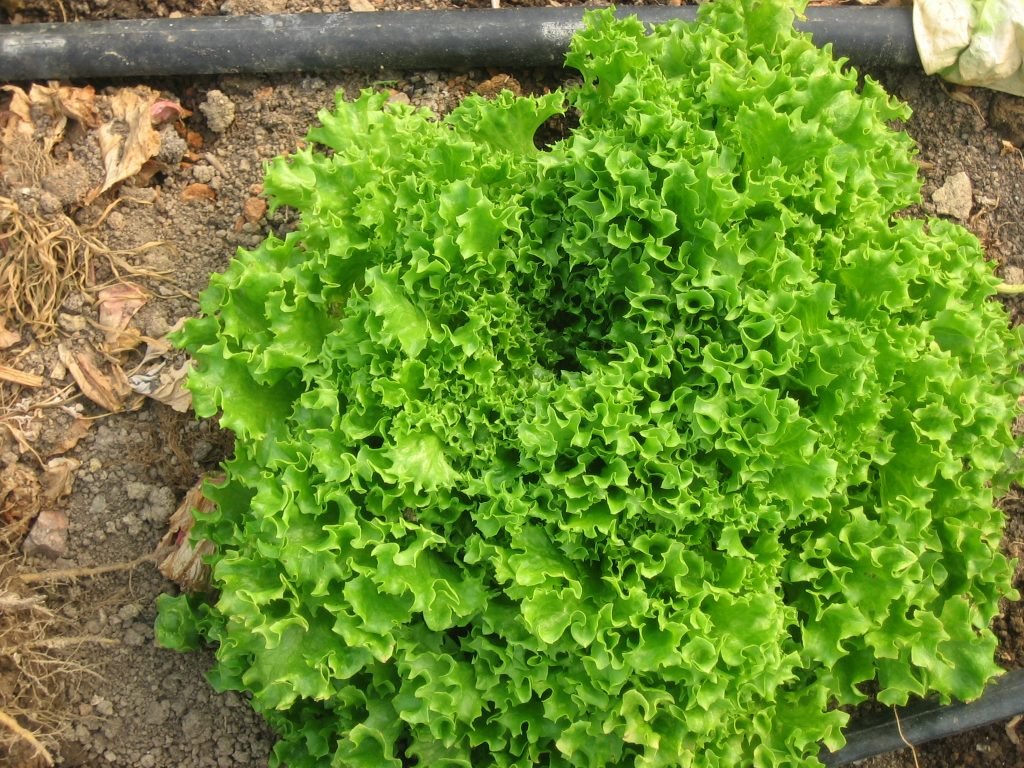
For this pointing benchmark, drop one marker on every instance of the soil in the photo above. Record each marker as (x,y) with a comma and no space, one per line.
(145,706)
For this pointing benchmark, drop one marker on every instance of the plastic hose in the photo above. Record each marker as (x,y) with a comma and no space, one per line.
(514,38)
(1002,699)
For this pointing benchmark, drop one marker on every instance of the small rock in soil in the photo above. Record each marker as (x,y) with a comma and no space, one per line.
(492,88)
(102,706)
(49,535)
(133,638)
(49,203)
(137,491)
(218,110)
(172,146)
(161,505)
(145,195)
(1013,275)
(254,208)
(203,174)
(197,191)
(956,197)
(71,323)
(69,183)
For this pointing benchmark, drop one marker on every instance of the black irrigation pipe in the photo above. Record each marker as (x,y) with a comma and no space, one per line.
(514,38)
(518,38)
(929,721)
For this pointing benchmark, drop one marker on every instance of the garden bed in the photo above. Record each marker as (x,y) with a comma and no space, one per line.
(139,705)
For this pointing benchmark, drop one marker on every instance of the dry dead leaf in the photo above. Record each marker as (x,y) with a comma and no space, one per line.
(20,496)
(59,103)
(75,103)
(147,173)
(361,6)
(158,348)
(24,446)
(7,338)
(20,123)
(79,428)
(165,385)
(109,391)
(959,94)
(128,140)
(172,389)
(59,477)
(1008,148)
(164,110)
(123,341)
(181,561)
(118,305)
(198,192)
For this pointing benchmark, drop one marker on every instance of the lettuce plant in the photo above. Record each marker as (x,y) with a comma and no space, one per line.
(646,448)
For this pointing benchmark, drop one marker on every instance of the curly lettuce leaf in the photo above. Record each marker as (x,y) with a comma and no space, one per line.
(646,448)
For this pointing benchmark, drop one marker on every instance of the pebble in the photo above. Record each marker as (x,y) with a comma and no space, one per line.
(202,449)
(49,535)
(161,505)
(203,174)
(129,611)
(955,197)
(140,194)
(192,726)
(198,192)
(1013,275)
(102,706)
(98,505)
(133,638)
(172,146)
(254,209)
(137,491)
(50,203)
(218,110)
(71,323)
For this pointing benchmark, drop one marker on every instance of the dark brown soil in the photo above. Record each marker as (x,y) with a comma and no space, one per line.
(152,708)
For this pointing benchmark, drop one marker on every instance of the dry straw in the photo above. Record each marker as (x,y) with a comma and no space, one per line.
(42,258)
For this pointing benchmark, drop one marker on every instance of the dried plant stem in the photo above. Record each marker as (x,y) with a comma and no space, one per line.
(9,602)
(1005,289)
(12,725)
(57,643)
(1011,729)
(69,574)
(899,729)
(41,258)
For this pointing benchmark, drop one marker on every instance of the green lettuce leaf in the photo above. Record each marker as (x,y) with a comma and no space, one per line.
(647,448)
